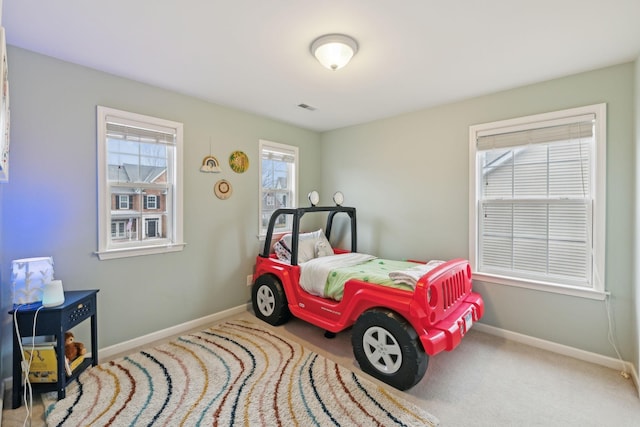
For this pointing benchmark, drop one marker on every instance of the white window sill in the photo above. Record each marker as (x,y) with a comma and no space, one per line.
(139,251)
(541,286)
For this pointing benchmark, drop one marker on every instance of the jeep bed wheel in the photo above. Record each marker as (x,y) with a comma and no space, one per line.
(387,347)
(269,300)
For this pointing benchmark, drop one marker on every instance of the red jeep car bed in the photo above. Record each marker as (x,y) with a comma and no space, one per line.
(401,312)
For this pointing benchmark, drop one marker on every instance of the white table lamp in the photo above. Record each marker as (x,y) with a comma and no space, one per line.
(29,277)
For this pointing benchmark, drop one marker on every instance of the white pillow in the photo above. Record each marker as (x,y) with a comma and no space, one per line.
(323,247)
(310,245)
(302,236)
(306,250)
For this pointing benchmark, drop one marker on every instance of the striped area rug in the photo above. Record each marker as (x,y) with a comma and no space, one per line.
(238,373)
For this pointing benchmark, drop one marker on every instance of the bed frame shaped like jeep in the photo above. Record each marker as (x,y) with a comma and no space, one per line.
(394,330)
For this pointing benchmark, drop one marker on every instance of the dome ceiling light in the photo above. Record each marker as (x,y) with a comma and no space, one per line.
(334,51)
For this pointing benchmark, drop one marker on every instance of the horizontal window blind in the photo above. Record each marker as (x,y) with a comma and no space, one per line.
(566,129)
(278,154)
(138,134)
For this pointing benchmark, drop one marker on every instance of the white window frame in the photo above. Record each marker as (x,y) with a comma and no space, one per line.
(264,145)
(123,201)
(147,200)
(120,223)
(598,182)
(111,249)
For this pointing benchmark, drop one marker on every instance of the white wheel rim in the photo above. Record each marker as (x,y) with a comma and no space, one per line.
(382,350)
(266,300)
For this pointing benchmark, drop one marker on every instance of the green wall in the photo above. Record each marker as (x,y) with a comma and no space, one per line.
(409,178)
(50,203)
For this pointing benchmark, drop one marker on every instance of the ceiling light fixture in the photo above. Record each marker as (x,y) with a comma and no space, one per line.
(334,51)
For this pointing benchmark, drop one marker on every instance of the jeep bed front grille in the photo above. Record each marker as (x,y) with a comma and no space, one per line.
(453,289)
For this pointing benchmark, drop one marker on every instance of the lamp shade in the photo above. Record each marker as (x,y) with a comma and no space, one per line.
(28,277)
(334,51)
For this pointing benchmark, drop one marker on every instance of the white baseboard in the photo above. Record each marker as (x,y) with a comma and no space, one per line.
(127,346)
(576,353)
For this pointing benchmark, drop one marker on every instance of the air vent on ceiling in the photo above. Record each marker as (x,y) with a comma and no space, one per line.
(307,107)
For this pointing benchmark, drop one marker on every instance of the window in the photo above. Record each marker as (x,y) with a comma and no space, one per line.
(278,182)
(150,202)
(537,201)
(139,169)
(122,202)
(119,229)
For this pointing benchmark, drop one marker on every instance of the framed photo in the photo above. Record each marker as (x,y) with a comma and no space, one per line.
(4,110)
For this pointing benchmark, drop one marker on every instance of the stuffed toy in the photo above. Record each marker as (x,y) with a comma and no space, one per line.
(72,349)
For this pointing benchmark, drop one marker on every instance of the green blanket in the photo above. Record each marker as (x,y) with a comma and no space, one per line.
(374,271)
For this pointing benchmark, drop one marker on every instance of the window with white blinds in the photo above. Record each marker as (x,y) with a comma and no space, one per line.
(139,184)
(278,176)
(538,200)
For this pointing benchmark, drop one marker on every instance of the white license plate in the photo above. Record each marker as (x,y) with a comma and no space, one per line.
(468,321)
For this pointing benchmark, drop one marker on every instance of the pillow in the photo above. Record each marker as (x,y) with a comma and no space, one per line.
(282,251)
(306,250)
(323,247)
(307,246)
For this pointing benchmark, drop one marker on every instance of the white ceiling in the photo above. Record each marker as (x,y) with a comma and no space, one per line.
(253,55)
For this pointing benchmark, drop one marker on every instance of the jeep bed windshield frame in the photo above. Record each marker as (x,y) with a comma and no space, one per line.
(297,214)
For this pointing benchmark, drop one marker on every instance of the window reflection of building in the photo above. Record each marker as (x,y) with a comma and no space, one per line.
(278,182)
(131,205)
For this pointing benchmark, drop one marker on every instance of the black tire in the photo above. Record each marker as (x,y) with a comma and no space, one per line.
(387,347)
(269,300)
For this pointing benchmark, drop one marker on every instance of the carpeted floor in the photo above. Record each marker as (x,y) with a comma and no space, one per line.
(487,381)
(236,373)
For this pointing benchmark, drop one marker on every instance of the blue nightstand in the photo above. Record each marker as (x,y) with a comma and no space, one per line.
(78,306)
